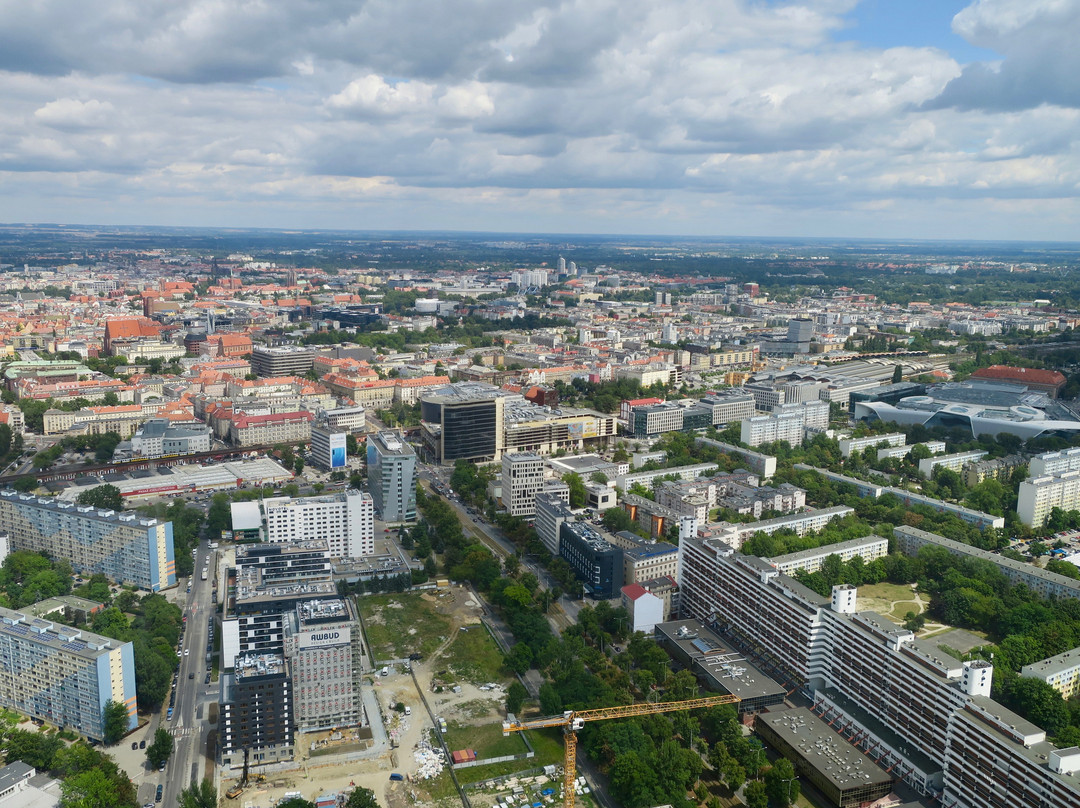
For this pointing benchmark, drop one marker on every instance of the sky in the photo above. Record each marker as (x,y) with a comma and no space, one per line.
(833,118)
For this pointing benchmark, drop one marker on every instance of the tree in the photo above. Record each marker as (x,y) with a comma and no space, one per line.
(106,497)
(90,789)
(296,802)
(114,722)
(515,697)
(362,798)
(781,784)
(898,374)
(914,622)
(577,489)
(161,749)
(298,465)
(5,439)
(203,795)
(754,795)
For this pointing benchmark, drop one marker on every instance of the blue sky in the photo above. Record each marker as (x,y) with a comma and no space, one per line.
(912,23)
(833,118)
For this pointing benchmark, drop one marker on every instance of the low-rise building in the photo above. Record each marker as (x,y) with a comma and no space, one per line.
(867,548)
(952,462)
(1061,672)
(266,430)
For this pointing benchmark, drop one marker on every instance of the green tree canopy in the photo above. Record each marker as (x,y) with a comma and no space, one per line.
(102,496)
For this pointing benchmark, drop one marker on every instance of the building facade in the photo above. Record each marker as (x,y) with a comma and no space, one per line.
(1040,495)
(62,675)
(345,521)
(257,720)
(328,450)
(522,480)
(597,564)
(323,649)
(124,547)
(923,715)
(266,430)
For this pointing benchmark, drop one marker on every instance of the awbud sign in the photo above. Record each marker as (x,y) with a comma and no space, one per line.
(324,637)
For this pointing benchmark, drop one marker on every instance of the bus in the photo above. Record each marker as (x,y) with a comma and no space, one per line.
(204,572)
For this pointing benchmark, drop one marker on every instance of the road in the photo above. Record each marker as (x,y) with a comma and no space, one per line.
(189,726)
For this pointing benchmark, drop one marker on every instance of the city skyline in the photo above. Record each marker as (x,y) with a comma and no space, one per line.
(820,118)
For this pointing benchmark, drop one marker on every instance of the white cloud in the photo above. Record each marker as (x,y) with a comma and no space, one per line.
(576,114)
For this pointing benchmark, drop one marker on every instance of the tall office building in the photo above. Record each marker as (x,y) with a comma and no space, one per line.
(124,547)
(923,715)
(281,361)
(283,638)
(63,675)
(328,447)
(522,480)
(346,521)
(322,646)
(598,564)
(391,464)
(464,422)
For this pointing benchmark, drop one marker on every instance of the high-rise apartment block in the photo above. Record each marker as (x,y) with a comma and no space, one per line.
(124,547)
(391,464)
(256,723)
(346,521)
(522,480)
(64,675)
(1040,495)
(786,422)
(924,715)
(294,649)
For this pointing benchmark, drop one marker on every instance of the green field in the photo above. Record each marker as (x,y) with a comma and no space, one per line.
(486,739)
(399,625)
(474,657)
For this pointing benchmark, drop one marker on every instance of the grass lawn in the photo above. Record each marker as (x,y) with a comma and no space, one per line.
(549,750)
(486,739)
(473,656)
(885,591)
(402,624)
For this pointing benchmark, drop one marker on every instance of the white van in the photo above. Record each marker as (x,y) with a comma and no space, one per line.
(384,671)
(408,710)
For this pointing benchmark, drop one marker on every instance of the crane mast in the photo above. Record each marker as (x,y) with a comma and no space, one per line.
(573,720)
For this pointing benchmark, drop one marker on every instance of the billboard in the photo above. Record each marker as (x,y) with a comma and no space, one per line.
(337,450)
(319,638)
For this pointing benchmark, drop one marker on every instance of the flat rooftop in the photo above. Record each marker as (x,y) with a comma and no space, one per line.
(719,662)
(61,638)
(823,748)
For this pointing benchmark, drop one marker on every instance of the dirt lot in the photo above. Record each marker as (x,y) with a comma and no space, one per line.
(462,679)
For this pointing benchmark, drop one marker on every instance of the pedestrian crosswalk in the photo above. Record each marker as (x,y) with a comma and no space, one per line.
(179,732)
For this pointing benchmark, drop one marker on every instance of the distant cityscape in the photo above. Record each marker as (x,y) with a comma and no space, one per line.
(365,503)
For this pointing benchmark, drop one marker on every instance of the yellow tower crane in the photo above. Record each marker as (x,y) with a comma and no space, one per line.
(573,720)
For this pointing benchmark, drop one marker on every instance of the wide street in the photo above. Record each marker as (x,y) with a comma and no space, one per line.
(189,726)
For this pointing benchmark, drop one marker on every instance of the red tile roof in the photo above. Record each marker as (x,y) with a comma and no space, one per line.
(1021,375)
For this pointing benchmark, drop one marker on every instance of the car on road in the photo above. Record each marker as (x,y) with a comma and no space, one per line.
(160,793)
(207,679)
(161,768)
(149,805)
(142,744)
(191,675)
(134,744)
(187,651)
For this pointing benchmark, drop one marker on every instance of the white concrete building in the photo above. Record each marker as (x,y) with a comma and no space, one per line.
(1040,495)
(346,521)
(953,462)
(1061,672)
(849,445)
(1055,462)
(522,480)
